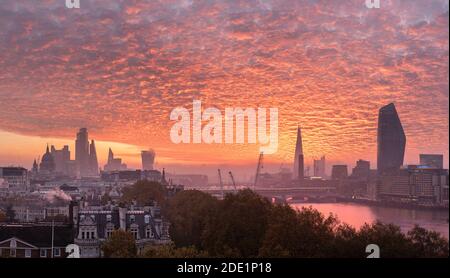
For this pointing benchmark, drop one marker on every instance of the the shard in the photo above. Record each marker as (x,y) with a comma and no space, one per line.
(391,140)
(298,160)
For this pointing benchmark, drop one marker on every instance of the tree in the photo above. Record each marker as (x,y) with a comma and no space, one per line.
(189,212)
(427,244)
(3,217)
(144,192)
(170,251)
(121,244)
(392,242)
(303,233)
(105,199)
(239,226)
(281,233)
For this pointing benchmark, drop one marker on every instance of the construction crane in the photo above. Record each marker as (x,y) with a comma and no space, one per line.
(232,179)
(258,168)
(220,182)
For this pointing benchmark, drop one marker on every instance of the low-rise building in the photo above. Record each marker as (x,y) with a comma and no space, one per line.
(419,184)
(95,225)
(35,240)
(16,178)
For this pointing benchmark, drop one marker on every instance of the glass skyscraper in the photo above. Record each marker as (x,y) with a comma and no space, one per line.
(391,140)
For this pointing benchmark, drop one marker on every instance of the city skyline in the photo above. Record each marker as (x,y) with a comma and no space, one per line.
(328,67)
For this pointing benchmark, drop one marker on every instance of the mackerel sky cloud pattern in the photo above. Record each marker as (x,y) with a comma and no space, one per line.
(119,68)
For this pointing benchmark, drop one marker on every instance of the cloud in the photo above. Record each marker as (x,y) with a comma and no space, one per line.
(120,67)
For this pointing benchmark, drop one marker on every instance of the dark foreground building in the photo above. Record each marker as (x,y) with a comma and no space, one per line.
(34,240)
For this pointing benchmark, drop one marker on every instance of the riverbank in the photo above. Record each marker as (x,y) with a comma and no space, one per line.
(358,214)
(390,204)
(372,203)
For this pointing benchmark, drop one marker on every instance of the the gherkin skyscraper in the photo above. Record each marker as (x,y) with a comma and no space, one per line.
(391,140)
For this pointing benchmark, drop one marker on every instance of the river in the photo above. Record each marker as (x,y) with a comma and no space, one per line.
(357,214)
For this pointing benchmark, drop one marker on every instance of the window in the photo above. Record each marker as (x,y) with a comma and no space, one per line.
(27,253)
(147,219)
(57,252)
(92,235)
(134,231)
(109,230)
(132,218)
(82,235)
(12,253)
(108,218)
(43,253)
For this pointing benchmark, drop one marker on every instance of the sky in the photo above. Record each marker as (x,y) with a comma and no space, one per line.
(120,67)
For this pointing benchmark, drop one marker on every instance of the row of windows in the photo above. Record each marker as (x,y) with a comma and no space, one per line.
(134,231)
(88,235)
(42,252)
(132,218)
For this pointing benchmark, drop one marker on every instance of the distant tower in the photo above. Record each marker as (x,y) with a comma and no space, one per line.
(391,140)
(35,168)
(110,156)
(82,152)
(93,162)
(319,167)
(148,159)
(163,178)
(299,159)
(47,165)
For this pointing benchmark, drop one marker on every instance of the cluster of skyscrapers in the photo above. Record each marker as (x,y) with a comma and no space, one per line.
(425,183)
(58,162)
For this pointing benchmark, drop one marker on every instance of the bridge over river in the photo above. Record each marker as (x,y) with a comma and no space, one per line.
(283,193)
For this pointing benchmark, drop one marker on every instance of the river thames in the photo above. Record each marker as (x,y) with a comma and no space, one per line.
(357,214)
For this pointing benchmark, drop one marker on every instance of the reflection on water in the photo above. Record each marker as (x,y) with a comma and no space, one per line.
(357,214)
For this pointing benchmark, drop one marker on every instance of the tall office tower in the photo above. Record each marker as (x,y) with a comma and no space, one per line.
(93,162)
(110,156)
(432,160)
(391,140)
(339,172)
(61,157)
(319,167)
(148,158)
(361,170)
(298,155)
(82,152)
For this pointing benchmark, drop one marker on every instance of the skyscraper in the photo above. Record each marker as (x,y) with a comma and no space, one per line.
(82,152)
(319,167)
(299,159)
(93,162)
(148,158)
(391,140)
